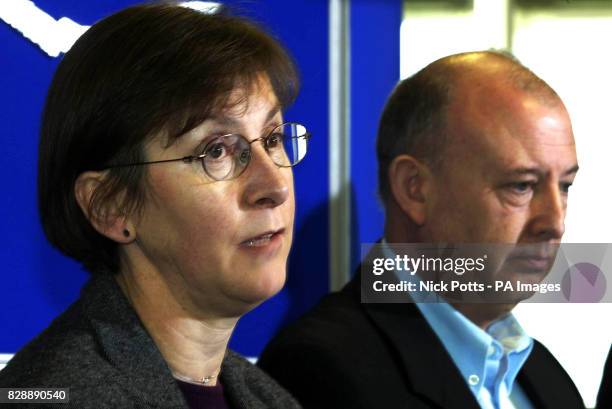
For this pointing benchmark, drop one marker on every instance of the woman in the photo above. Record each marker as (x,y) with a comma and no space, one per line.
(165,168)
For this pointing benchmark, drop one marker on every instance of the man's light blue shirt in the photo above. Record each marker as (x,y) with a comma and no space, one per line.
(490,360)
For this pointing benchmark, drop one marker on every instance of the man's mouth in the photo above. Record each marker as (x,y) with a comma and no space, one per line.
(532,264)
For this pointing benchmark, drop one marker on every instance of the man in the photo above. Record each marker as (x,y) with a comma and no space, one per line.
(472,149)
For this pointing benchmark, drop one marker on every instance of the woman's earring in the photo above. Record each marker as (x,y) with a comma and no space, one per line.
(126,233)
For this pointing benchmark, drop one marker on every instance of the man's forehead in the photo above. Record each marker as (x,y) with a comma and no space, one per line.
(509,128)
(527,156)
(491,104)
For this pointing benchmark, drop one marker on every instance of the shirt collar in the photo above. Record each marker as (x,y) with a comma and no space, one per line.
(471,348)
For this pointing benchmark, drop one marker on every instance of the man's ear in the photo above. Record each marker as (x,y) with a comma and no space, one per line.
(409,180)
(106,217)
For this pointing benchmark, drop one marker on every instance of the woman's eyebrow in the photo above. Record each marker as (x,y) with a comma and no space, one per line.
(273,112)
(233,122)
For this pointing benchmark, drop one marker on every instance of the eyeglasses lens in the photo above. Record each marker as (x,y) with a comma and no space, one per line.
(227,156)
(294,144)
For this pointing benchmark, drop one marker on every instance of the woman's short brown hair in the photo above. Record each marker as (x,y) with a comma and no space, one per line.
(144,71)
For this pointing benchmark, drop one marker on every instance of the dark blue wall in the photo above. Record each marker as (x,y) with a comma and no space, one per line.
(375,45)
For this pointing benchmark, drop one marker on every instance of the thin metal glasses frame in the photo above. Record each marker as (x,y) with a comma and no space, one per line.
(191,158)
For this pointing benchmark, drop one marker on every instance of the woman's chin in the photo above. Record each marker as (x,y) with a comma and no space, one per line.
(268,285)
(260,287)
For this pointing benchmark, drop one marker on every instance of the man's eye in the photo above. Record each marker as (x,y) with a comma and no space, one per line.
(521,187)
(565,187)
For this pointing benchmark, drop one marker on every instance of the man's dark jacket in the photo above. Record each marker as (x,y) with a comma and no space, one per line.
(345,354)
(100,350)
(604,397)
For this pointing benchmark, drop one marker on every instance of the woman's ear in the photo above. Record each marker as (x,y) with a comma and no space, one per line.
(409,181)
(106,217)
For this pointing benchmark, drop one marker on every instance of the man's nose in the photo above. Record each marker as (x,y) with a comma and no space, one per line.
(268,185)
(548,210)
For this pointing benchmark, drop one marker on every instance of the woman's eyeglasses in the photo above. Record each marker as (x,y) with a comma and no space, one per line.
(226,157)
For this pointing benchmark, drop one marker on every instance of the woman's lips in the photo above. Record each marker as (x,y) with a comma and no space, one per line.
(269,238)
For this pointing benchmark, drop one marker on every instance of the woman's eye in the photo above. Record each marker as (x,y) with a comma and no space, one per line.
(274,140)
(216,151)
(245,156)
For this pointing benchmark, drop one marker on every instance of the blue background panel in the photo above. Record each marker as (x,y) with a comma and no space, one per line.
(375,45)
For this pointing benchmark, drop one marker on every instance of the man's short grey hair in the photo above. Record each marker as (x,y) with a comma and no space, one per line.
(414,120)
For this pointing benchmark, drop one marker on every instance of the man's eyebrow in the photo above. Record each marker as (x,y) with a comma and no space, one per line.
(525,171)
(571,170)
(538,172)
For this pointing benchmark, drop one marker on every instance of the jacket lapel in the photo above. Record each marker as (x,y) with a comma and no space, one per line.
(428,367)
(545,383)
(429,370)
